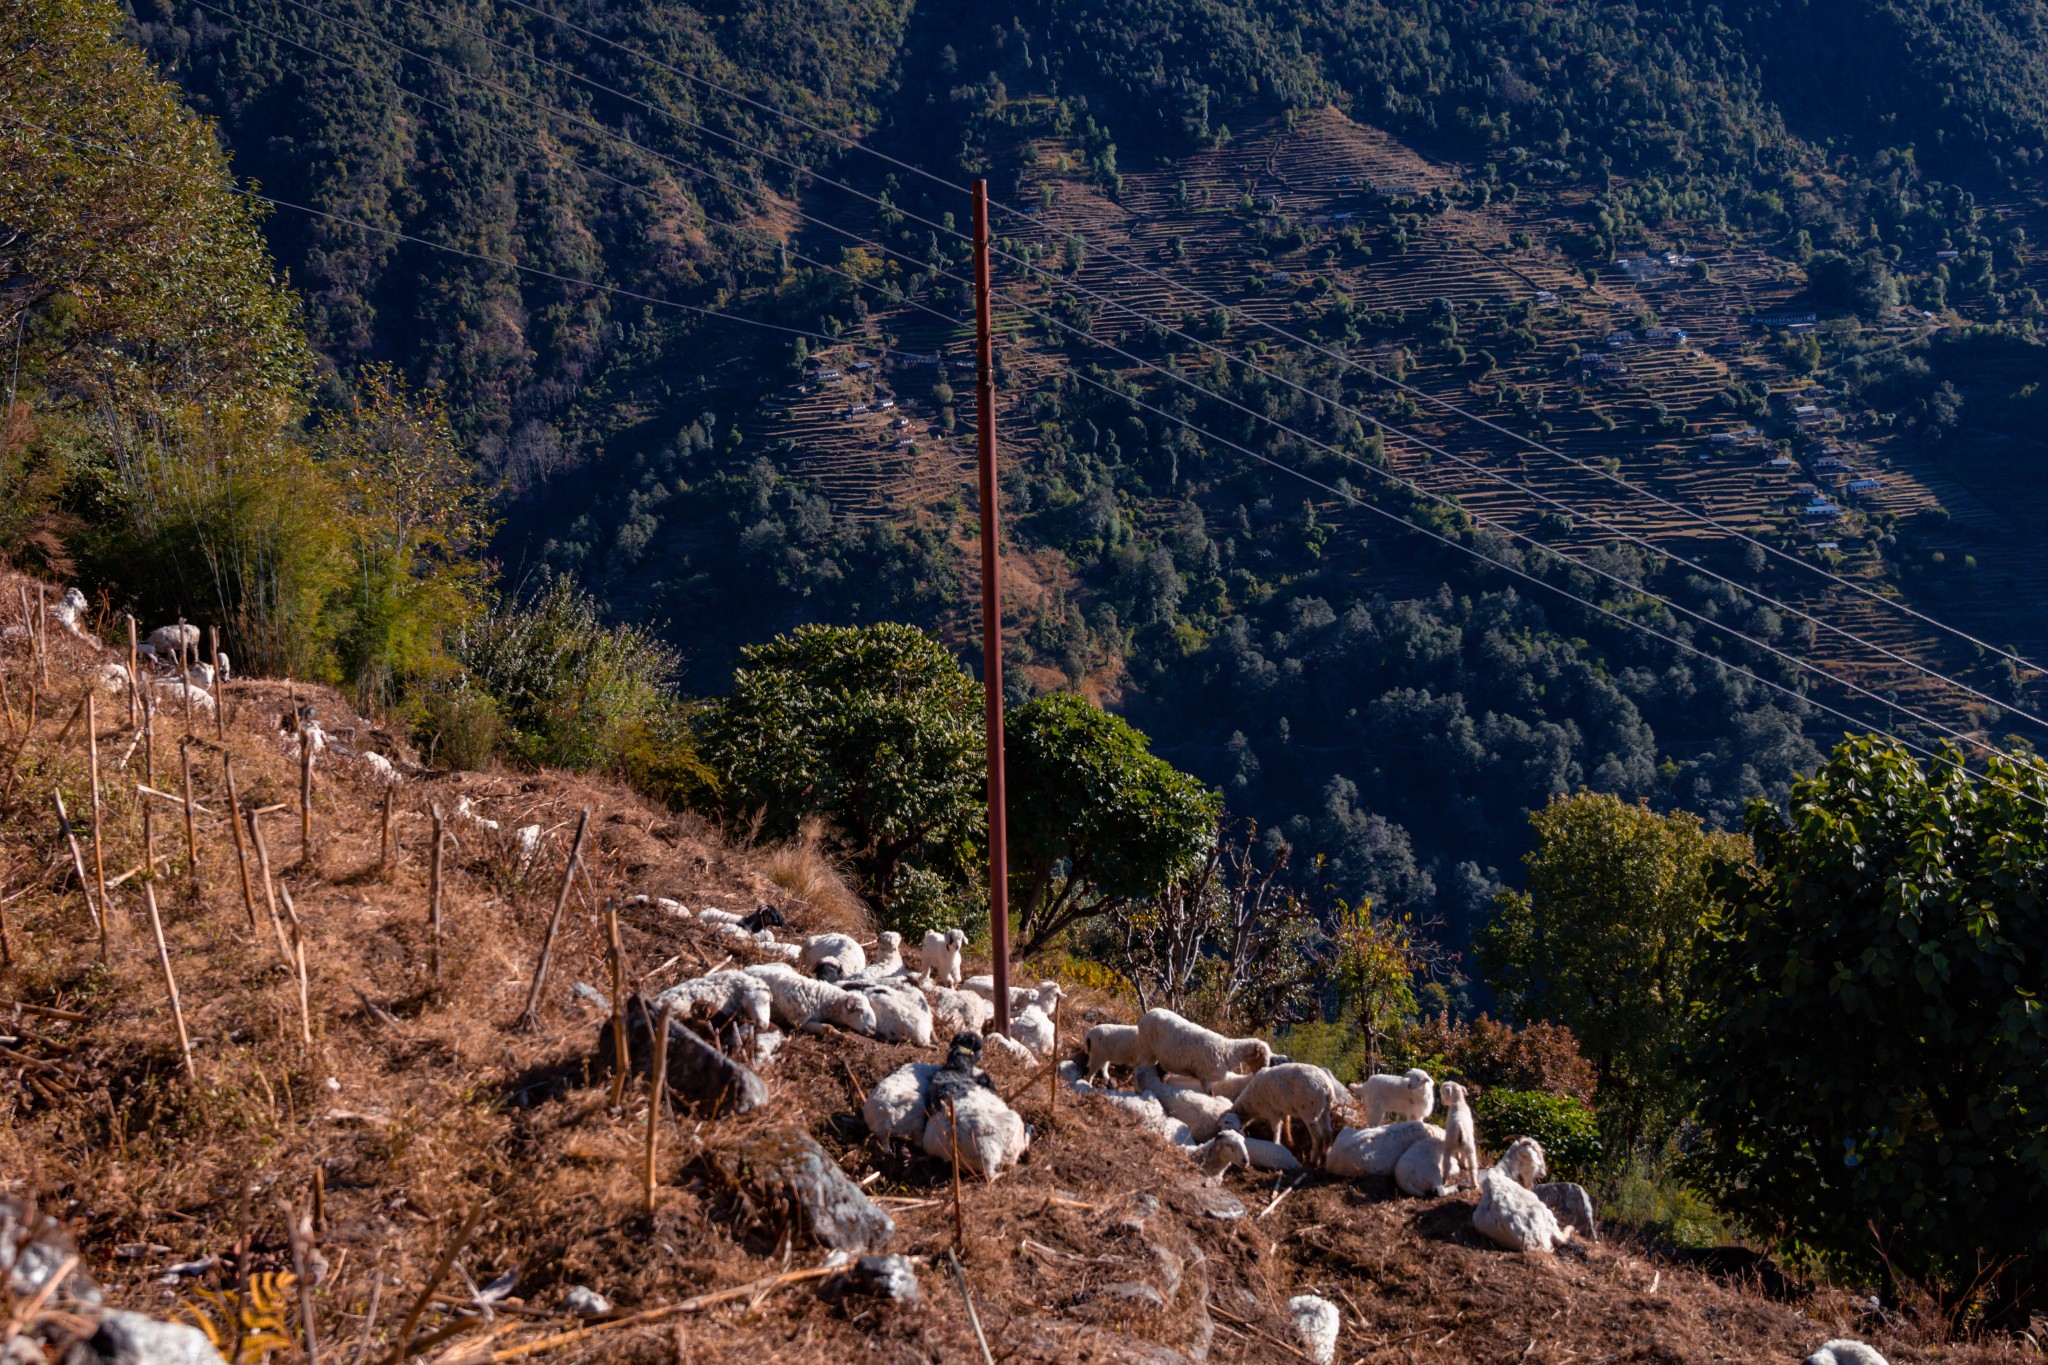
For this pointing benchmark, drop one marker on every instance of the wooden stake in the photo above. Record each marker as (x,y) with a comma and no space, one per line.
(149,858)
(384,840)
(163,957)
(134,676)
(618,955)
(953,1142)
(298,1236)
(41,628)
(449,1252)
(191,832)
(149,739)
(227,764)
(305,797)
(99,861)
(220,700)
(78,865)
(185,673)
(270,889)
(530,1017)
(434,899)
(298,965)
(319,1200)
(656,1081)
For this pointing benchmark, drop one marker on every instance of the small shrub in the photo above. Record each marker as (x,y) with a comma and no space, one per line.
(1651,1196)
(920,899)
(804,868)
(1494,1055)
(1567,1129)
(459,726)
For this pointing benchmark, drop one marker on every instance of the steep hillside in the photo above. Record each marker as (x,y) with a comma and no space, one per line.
(459,1172)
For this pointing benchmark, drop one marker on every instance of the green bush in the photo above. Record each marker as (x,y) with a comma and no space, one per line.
(920,899)
(1567,1129)
(459,726)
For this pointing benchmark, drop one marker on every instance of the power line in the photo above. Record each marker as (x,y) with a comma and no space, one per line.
(1339,356)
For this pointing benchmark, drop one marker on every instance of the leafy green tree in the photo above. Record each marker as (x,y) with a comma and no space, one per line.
(1873,1038)
(1096,820)
(1374,972)
(1606,941)
(874,728)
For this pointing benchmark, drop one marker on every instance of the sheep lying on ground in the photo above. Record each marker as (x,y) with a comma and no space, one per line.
(895,1108)
(1112,1045)
(902,1014)
(1315,1322)
(1046,994)
(832,956)
(1034,1030)
(69,611)
(761,919)
(941,956)
(1229,1087)
(960,1073)
(1523,1162)
(798,1001)
(1175,1044)
(380,768)
(1389,1099)
(1419,1172)
(731,993)
(1845,1353)
(1515,1218)
(957,1011)
(1220,1153)
(987,1133)
(1010,1050)
(1282,1093)
(1357,1152)
(175,695)
(1203,1114)
(1271,1156)
(888,958)
(1461,1139)
(112,678)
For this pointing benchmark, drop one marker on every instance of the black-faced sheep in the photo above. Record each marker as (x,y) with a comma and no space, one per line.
(833,957)
(1175,1044)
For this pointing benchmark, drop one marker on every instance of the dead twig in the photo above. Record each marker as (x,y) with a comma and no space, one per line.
(449,1252)
(529,1018)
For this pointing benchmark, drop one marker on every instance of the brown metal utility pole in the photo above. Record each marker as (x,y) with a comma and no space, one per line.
(991,620)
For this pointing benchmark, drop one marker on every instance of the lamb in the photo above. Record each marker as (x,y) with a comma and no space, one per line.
(1176,1044)
(1461,1138)
(1010,1050)
(1523,1162)
(113,678)
(1845,1352)
(941,956)
(1389,1099)
(1111,1045)
(895,1108)
(166,642)
(1229,1087)
(902,1014)
(176,694)
(1220,1153)
(1271,1156)
(202,674)
(833,957)
(1378,1151)
(986,1134)
(222,669)
(1279,1094)
(1419,1171)
(381,768)
(888,959)
(797,1001)
(1203,1114)
(69,612)
(1315,1322)
(1033,1030)
(1514,1218)
(726,994)
(958,1011)
(1046,994)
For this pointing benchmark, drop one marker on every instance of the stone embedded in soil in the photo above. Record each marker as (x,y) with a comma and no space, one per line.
(785,1169)
(1130,1292)
(585,1302)
(134,1339)
(888,1277)
(697,1071)
(1573,1207)
(1209,1202)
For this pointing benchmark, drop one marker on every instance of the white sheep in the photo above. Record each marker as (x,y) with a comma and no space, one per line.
(173,695)
(987,1134)
(381,768)
(941,956)
(731,992)
(1358,1152)
(888,959)
(1315,1322)
(1176,1044)
(902,1014)
(1149,1115)
(1513,1217)
(1046,994)
(201,674)
(69,612)
(165,642)
(113,678)
(1419,1171)
(957,1011)
(1389,1099)
(1111,1045)
(465,810)
(222,669)
(527,840)
(1523,1162)
(1009,1049)
(833,957)
(895,1107)
(1286,1091)
(1461,1138)
(1229,1087)
(1203,1114)
(1271,1156)
(1845,1352)
(798,1001)
(1220,1153)
(1033,1030)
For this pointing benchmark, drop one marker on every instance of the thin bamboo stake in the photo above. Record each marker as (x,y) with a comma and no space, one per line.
(149,740)
(656,1081)
(99,862)
(298,1236)
(298,964)
(220,700)
(618,955)
(185,673)
(163,957)
(449,1252)
(77,715)
(134,676)
(434,900)
(191,832)
(384,840)
(78,863)
(270,888)
(42,630)
(28,732)
(973,1318)
(6,945)
(953,1142)
(227,764)
(305,796)
(530,1016)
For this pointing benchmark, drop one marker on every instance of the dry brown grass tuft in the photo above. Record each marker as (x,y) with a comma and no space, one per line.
(806,869)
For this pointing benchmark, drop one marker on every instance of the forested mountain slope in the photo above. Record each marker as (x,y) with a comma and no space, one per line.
(1471,200)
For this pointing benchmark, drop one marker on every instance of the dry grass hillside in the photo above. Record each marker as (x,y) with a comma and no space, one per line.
(418,1112)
